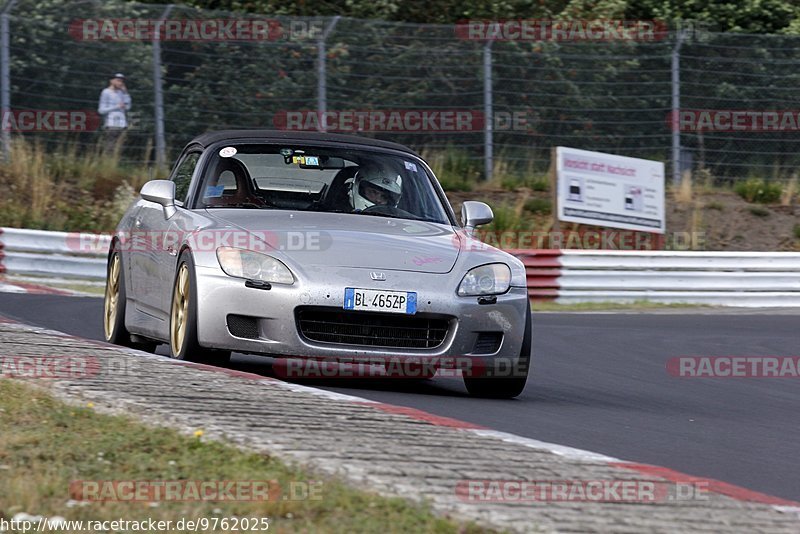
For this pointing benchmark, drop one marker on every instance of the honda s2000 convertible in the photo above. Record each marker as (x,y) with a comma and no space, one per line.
(314,247)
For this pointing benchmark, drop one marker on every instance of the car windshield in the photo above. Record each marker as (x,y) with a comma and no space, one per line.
(327,179)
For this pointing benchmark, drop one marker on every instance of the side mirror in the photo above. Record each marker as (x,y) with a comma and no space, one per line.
(475,214)
(161,192)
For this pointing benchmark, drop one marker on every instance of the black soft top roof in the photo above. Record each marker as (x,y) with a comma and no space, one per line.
(210,138)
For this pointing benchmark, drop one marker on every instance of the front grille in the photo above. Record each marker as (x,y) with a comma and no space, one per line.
(243,326)
(372,329)
(488,342)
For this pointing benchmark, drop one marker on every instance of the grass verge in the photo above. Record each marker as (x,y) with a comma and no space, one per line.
(548,306)
(46,444)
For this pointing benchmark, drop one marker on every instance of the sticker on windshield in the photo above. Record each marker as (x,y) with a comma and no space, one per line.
(214,191)
(411,166)
(227,152)
(312,160)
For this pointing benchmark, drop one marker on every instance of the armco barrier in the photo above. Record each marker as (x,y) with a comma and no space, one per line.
(566,276)
(757,279)
(53,254)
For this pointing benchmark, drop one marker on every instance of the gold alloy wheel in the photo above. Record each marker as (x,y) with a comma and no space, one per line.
(112,297)
(180,310)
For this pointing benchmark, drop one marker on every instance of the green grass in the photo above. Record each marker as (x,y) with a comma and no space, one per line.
(540,206)
(758,190)
(549,306)
(77,286)
(45,444)
(455,169)
(512,181)
(505,219)
(759,211)
(796,231)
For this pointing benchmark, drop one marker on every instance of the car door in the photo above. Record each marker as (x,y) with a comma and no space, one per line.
(155,268)
(178,227)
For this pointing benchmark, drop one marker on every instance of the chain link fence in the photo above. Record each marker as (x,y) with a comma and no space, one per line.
(521,97)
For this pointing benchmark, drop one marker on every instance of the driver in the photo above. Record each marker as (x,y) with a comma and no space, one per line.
(373,186)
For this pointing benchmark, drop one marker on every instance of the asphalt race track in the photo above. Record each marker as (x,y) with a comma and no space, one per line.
(599,383)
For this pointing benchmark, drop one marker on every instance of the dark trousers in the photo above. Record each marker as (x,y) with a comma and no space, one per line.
(113,137)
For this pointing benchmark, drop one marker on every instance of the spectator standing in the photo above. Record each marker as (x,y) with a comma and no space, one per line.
(115,102)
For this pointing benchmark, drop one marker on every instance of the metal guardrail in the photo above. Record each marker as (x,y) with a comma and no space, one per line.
(54,254)
(760,279)
(757,279)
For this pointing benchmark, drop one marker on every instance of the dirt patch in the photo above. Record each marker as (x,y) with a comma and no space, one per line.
(721,220)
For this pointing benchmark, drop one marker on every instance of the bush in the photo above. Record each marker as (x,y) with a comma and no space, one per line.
(540,184)
(758,211)
(456,185)
(757,190)
(512,182)
(505,218)
(454,168)
(541,206)
(796,231)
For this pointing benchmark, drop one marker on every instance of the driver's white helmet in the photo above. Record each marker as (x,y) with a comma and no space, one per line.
(371,176)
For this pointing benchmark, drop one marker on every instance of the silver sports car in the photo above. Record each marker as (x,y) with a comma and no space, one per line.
(316,247)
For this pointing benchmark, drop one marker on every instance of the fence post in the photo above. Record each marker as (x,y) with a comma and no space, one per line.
(158,89)
(676,106)
(5,75)
(488,142)
(322,87)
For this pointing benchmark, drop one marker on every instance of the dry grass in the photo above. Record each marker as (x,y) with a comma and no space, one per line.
(697,225)
(65,188)
(684,192)
(789,191)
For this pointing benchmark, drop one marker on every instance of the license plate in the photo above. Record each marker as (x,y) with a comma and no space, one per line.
(379,300)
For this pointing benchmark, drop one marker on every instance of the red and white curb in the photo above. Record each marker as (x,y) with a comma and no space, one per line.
(16,286)
(714,486)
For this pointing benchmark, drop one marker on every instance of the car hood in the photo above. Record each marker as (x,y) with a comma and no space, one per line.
(347,240)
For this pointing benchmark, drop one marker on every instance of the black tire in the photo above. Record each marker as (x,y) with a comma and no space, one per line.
(186,347)
(114,331)
(501,386)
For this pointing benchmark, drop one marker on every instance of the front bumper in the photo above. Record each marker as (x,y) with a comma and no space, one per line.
(220,295)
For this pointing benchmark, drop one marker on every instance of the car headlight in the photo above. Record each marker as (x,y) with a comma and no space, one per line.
(491,279)
(241,263)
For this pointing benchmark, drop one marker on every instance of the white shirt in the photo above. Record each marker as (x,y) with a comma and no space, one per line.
(110,99)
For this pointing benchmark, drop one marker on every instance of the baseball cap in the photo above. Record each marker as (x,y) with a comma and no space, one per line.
(118,75)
